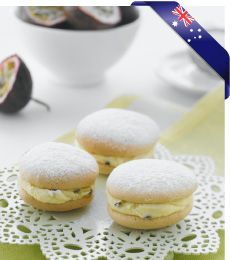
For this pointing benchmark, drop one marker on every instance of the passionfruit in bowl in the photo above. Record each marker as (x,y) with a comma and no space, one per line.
(77,45)
(52,16)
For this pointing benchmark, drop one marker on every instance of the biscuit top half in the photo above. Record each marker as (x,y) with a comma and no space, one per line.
(117,132)
(58,166)
(151,181)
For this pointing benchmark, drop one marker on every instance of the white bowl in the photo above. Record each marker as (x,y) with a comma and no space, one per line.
(75,56)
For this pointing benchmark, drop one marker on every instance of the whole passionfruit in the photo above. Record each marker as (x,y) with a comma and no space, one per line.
(93,17)
(48,16)
(15,85)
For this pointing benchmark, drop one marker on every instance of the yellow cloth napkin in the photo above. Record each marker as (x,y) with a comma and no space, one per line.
(201,131)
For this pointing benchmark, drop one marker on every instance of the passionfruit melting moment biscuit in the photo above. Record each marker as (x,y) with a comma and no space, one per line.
(57,177)
(150,193)
(115,136)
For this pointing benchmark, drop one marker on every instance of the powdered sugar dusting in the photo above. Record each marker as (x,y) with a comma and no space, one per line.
(120,127)
(57,161)
(151,177)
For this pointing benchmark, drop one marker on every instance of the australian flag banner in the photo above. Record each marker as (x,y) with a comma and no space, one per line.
(194,34)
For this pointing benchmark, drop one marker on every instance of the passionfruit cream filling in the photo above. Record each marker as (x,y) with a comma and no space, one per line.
(114,161)
(55,196)
(148,211)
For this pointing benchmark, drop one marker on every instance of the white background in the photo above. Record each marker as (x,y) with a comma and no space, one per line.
(135,73)
(12,141)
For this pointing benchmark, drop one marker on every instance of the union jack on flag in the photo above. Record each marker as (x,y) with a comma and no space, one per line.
(183,15)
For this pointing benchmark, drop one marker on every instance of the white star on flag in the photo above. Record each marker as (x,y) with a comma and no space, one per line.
(174,23)
(196,36)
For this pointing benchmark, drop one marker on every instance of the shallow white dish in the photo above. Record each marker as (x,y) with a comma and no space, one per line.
(76,57)
(179,71)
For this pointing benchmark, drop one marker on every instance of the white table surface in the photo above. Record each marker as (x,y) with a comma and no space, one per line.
(134,73)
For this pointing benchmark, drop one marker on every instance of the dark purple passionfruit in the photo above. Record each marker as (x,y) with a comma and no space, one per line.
(15,85)
(93,17)
(48,16)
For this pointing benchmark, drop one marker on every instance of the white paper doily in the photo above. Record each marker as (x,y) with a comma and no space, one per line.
(90,233)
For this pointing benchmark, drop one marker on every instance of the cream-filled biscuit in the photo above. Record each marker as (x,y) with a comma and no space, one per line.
(115,136)
(150,193)
(57,177)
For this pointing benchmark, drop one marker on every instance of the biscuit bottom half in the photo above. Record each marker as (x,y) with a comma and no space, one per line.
(70,205)
(54,200)
(148,216)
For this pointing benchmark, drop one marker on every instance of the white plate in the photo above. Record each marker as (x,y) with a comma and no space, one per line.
(179,71)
